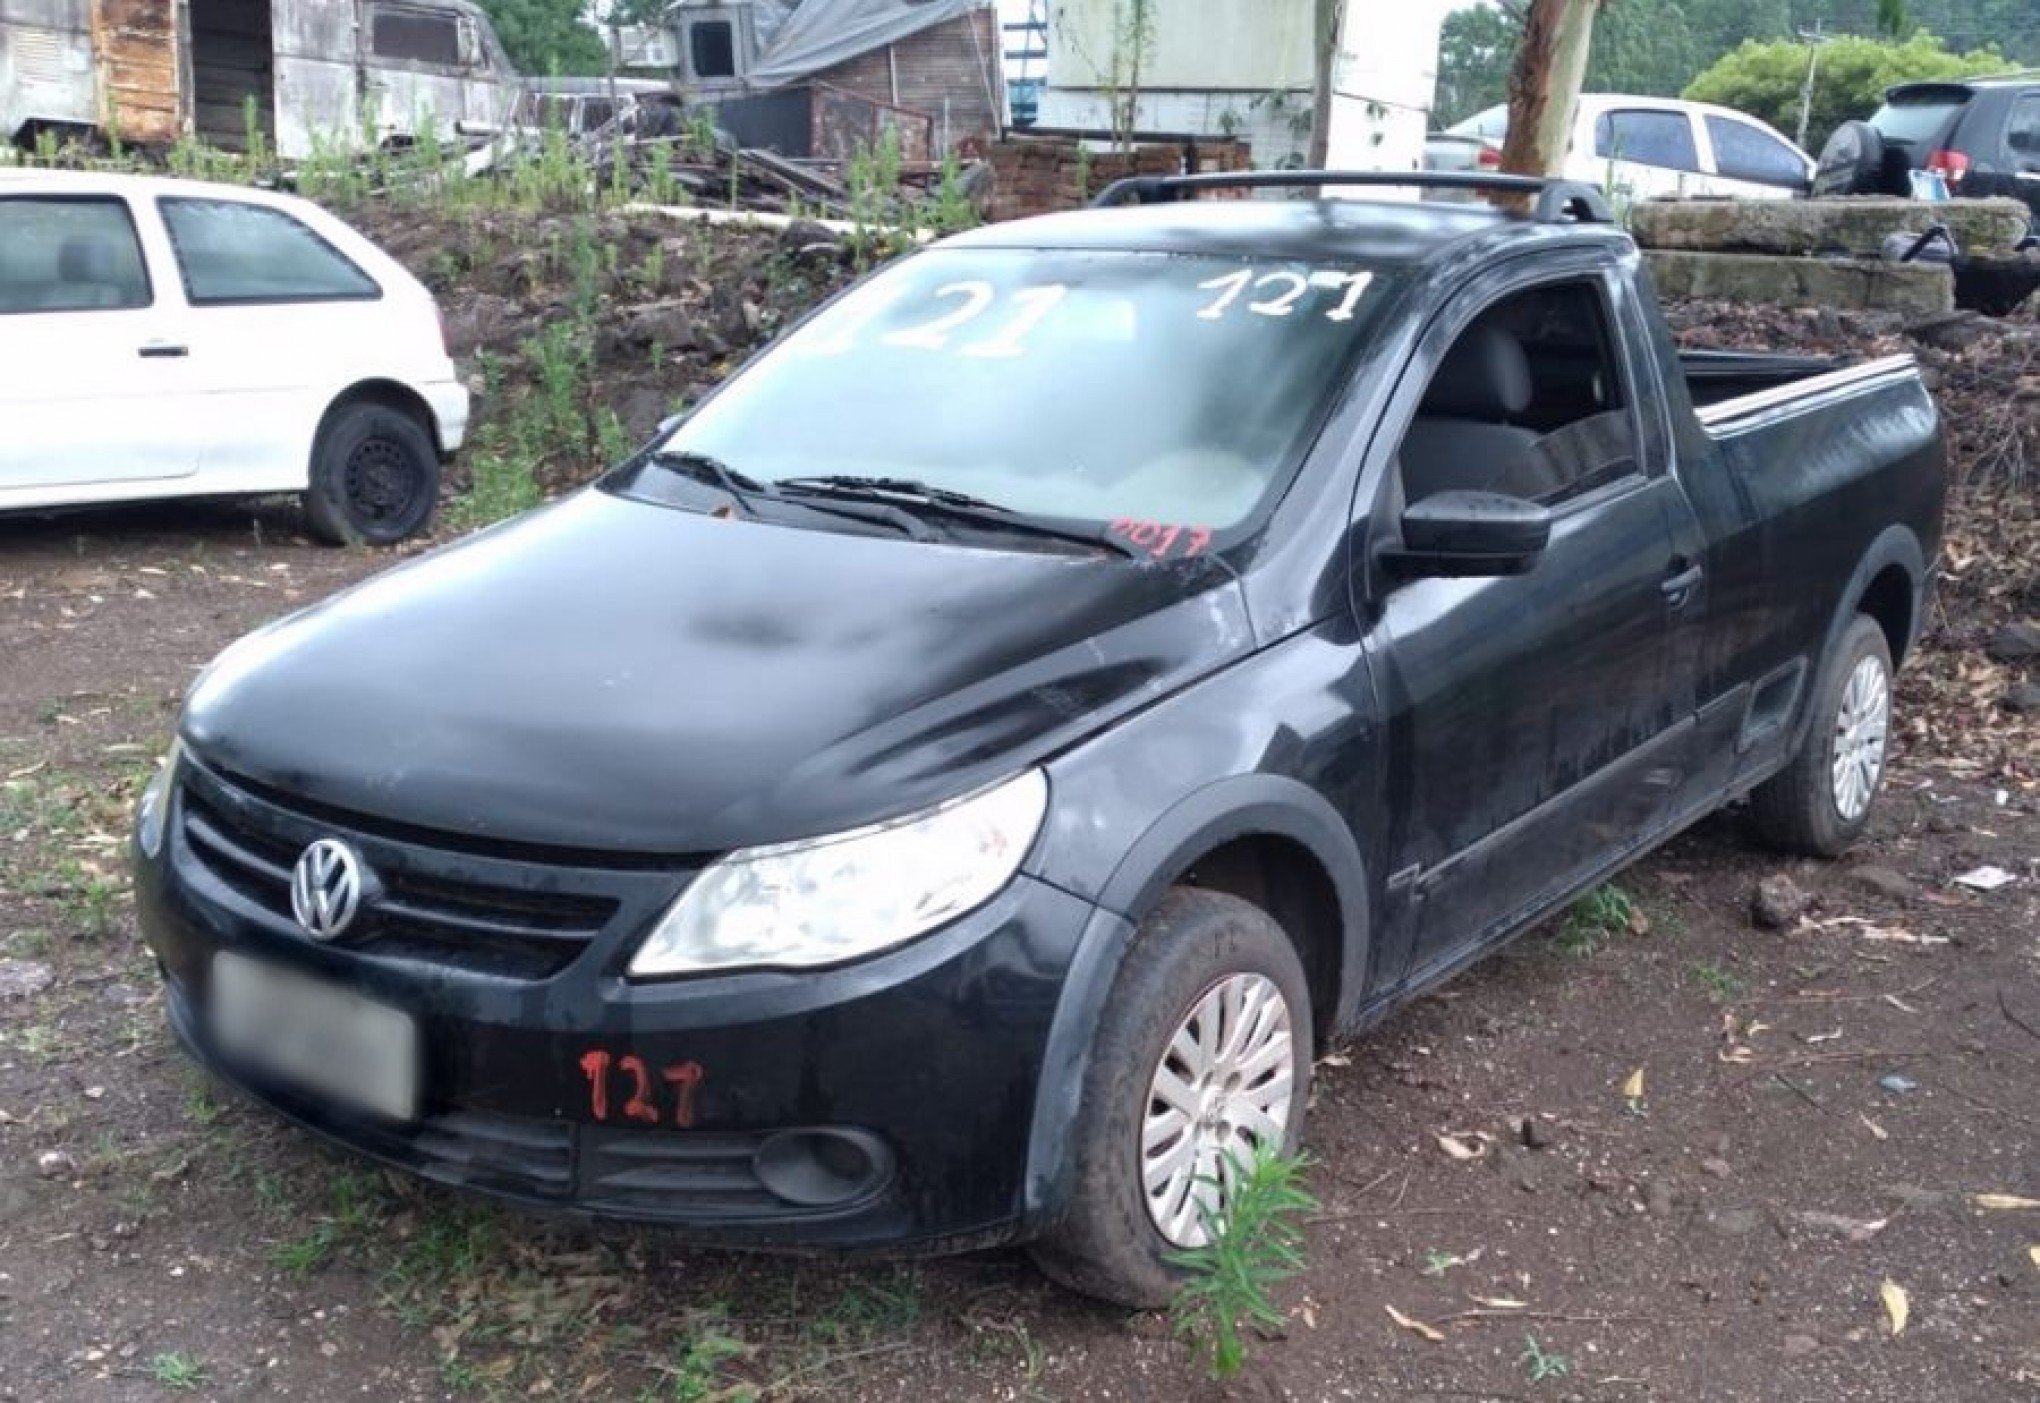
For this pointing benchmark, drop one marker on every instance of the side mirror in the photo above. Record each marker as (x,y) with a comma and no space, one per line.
(1463,534)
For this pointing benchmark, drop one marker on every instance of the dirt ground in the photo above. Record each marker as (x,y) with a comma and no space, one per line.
(1723,1236)
(1819,1105)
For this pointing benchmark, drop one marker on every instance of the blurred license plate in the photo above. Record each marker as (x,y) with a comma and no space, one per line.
(315,1034)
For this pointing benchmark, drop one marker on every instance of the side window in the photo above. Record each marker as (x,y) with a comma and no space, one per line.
(1744,152)
(1647,137)
(231,252)
(69,255)
(1528,402)
(419,36)
(2022,132)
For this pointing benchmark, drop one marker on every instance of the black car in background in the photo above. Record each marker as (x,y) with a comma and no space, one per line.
(1982,134)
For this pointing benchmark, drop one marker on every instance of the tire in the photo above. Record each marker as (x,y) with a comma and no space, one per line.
(1820,802)
(1852,162)
(375,476)
(1196,946)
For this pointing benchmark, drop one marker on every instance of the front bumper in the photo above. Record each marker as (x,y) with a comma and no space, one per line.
(886,1103)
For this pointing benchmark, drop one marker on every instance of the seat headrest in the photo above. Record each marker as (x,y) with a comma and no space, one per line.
(88,258)
(1485,376)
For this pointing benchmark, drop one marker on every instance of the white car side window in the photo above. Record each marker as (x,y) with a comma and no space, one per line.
(69,254)
(231,252)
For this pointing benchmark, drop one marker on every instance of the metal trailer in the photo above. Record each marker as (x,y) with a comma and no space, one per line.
(302,73)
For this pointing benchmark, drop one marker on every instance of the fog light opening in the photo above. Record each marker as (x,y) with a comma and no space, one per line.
(822,1168)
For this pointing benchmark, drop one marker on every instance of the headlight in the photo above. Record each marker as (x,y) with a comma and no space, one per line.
(153,812)
(830,899)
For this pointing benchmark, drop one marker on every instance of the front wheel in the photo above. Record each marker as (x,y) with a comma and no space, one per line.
(1201,1061)
(375,477)
(1820,802)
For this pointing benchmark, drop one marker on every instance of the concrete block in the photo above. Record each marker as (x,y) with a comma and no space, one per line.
(1845,284)
(1857,224)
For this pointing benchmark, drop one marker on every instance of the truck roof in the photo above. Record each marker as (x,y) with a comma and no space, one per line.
(1346,230)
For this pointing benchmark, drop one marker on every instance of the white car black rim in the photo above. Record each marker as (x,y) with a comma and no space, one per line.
(1221,1090)
(1860,728)
(381,483)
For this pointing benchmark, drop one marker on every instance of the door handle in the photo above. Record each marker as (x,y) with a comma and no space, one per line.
(1680,587)
(162,350)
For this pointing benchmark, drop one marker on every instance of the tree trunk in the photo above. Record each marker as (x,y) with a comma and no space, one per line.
(1544,84)
(1331,16)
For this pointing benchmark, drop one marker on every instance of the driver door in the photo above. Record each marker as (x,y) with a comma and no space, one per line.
(1536,724)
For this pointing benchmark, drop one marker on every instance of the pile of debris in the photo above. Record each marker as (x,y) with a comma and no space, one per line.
(1975,691)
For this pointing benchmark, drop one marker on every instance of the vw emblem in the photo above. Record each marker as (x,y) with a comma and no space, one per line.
(325,889)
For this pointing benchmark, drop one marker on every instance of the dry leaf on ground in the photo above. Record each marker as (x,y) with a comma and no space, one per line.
(1897,1305)
(1415,1326)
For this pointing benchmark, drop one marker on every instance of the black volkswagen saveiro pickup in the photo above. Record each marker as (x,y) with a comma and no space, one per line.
(942,791)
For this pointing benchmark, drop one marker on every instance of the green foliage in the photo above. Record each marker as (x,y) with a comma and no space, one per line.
(174,1369)
(1255,1244)
(547,36)
(1596,918)
(1765,79)
(1659,47)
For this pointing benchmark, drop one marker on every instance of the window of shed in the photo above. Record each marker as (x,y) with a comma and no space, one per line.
(418,36)
(712,49)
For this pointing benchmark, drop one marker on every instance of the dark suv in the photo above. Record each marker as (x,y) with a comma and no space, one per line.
(1983,134)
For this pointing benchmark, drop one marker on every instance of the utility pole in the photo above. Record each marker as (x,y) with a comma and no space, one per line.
(1544,84)
(1330,18)
(1814,39)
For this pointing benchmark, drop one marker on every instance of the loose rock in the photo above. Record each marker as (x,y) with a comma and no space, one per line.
(2023,698)
(1778,902)
(2015,642)
(1884,882)
(56,1164)
(21,978)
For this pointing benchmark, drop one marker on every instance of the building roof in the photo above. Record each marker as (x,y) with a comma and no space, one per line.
(799,37)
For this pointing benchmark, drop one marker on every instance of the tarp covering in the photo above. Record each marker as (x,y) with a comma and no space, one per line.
(799,37)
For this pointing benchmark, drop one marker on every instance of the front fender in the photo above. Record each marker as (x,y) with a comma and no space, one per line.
(1240,806)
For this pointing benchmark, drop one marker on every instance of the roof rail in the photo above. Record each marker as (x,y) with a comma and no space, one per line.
(1556,199)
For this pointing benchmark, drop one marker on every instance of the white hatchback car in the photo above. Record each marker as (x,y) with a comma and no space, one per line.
(165,338)
(1640,148)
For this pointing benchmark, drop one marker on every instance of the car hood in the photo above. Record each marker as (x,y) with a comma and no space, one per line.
(610,675)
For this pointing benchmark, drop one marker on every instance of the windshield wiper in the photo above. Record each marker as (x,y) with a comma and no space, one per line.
(961,506)
(704,467)
(746,491)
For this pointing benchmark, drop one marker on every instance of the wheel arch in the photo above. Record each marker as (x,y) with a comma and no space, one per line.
(1265,838)
(391,394)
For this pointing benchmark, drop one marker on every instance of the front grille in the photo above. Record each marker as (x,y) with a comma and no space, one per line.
(512,919)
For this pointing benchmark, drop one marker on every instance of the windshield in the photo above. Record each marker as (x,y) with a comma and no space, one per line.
(1107,388)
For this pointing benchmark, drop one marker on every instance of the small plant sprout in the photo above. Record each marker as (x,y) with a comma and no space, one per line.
(1437,1261)
(1598,917)
(174,1369)
(1255,1243)
(1721,985)
(1542,1364)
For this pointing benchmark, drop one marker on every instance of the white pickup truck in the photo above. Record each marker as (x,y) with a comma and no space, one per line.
(167,338)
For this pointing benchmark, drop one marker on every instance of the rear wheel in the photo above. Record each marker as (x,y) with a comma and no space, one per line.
(1820,802)
(1201,1061)
(375,476)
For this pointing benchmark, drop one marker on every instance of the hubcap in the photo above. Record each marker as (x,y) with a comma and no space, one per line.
(1221,1091)
(1860,727)
(380,483)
